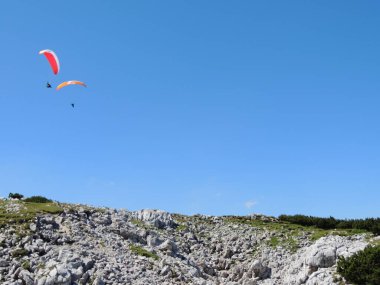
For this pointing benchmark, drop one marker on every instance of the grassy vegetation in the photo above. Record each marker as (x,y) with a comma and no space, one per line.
(27,211)
(196,220)
(74,208)
(286,233)
(138,223)
(291,244)
(26,265)
(254,252)
(20,252)
(376,242)
(180,218)
(318,233)
(143,252)
(293,230)
(271,226)
(369,224)
(181,228)
(274,241)
(36,208)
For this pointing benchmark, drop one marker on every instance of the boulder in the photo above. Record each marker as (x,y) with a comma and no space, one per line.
(156,218)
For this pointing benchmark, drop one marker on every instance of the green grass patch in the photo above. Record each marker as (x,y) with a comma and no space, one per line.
(138,223)
(274,241)
(143,252)
(348,232)
(20,252)
(36,208)
(26,265)
(319,233)
(73,209)
(272,226)
(181,228)
(291,244)
(26,213)
(292,230)
(181,219)
(254,252)
(376,242)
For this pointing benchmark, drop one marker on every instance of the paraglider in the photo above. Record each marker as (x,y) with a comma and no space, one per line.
(52,59)
(54,64)
(71,82)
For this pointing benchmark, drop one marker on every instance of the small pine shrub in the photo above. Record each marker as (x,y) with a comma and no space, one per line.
(363,267)
(15,196)
(369,224)
(38,199)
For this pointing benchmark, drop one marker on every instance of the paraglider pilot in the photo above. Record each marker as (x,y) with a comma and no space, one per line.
(48,85)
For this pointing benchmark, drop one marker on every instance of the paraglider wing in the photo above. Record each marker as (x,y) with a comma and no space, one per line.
(71,82)
(52,58)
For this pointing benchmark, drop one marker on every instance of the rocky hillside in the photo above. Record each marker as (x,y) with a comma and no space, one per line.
(75,244)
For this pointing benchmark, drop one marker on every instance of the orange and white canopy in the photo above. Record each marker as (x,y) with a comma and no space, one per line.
(71,82)
(52,58)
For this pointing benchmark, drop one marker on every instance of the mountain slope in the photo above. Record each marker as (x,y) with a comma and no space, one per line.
(77,244)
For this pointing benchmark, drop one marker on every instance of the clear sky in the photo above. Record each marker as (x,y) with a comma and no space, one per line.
(213,107)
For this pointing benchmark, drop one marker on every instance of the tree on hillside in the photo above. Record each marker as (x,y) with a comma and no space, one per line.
(15,196)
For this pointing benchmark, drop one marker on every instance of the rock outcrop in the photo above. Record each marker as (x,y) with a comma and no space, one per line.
(86,245)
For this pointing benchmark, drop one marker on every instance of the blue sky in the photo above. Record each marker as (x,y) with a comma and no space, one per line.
(213,107)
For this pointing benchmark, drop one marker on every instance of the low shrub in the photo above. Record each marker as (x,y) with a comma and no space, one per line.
(20,252)
(369,224)
(143,252)
(361,268)
(15,196)
(37,199)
